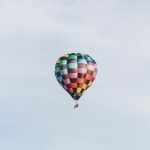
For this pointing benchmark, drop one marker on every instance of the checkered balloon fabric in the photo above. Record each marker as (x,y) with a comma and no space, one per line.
(76,72)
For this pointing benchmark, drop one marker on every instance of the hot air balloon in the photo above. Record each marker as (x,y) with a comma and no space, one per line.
(75,72)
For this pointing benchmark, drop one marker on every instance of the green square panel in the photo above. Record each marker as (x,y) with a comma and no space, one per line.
(63,62)
(57,69)
(80,54)
(73,57)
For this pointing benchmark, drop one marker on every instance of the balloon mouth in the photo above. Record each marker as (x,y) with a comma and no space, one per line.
(76,96)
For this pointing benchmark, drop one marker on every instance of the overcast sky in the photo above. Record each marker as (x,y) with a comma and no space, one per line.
(35,111)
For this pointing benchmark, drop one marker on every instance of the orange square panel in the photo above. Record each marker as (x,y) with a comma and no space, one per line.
(94,74)
(88,77)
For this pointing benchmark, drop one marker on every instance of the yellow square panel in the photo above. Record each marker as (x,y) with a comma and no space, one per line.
(84,86)
(90,83)
(78,90)
(66,55)
(83,91)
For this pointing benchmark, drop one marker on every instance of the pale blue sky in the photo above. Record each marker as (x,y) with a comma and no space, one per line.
(36,113)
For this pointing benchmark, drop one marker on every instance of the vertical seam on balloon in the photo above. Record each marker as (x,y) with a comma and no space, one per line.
(68,74)
(59,69)
(86,67)
(94,62)
(77,71)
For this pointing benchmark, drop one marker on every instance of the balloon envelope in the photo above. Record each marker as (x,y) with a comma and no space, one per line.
(75,72)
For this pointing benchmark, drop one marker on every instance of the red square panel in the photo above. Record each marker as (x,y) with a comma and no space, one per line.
(74,85)
(80,80)
(70,90)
